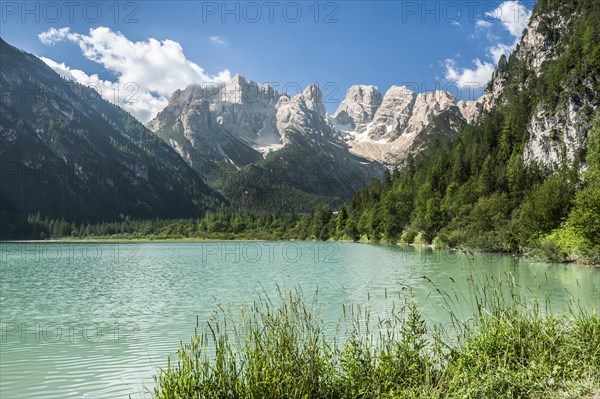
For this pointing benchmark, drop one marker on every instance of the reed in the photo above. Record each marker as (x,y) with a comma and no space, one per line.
(509,348)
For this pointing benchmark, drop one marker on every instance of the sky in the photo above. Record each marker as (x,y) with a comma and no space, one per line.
(137,53)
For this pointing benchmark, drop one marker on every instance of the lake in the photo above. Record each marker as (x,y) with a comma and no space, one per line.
(84,320)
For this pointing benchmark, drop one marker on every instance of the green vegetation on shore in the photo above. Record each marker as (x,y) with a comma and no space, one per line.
(282,349)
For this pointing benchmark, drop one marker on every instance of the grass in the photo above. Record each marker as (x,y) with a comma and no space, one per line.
(282,349)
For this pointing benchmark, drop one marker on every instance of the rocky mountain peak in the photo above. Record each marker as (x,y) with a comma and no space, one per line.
(358,108)
(396,91)
(238,79)
(266,120)
(391,118)
(390,128)
(304,114)
(242,91)
(313,98)
(234,91)
(232,121)
(283,99)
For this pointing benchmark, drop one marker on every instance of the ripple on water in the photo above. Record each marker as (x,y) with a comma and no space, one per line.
(154,299)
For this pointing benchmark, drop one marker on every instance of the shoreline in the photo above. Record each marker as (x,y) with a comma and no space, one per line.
(469,251)
(128,240)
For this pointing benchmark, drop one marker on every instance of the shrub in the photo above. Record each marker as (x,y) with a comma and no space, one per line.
(408,237)
(420,239)
(547,249)
(438,243)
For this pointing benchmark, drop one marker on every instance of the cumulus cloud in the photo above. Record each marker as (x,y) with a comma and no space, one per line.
(147,72)
(465,77)
(221,40)
(497,51)
(140,103)
(513,17)
(53,35)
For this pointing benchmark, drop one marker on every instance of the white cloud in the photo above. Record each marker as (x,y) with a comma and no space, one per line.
(514,18)
(465,77)
(71,74)
(140,103)
(483,24)
(495,52)
(152,69)
(52,35)
(221,40)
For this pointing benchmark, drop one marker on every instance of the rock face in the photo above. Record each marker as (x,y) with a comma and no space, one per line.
(239,121)
(558,123)
(385,130)
(358,108)
(230,122)
(241,135)
(557,135)
(303,114)
(535,47)
(393,116)
(557,132)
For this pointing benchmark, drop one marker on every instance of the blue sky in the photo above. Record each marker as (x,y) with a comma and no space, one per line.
(162,46)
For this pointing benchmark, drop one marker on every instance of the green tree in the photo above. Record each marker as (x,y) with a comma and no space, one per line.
(341,220)
(398,206)
(545,206)
(488,222)
(351,230)
(320,226)
(585,216)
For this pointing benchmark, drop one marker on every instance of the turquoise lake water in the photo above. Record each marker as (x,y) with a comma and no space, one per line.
(96,320)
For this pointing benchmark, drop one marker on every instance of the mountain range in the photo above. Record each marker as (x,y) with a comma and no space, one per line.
(256,145)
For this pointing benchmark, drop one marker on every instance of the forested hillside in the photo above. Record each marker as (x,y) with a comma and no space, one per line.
(67,153)
(479,191)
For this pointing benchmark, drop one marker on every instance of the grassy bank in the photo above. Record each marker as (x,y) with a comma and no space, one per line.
(282,349)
